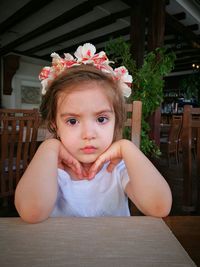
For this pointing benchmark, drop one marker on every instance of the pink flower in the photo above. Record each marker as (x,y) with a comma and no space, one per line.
(44,73)
(69,60)
(85,52)
(122,74)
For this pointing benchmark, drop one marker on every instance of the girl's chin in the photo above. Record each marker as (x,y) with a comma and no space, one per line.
(89,159)
(87,163)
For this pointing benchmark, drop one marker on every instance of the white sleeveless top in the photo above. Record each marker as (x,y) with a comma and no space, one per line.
(102,196)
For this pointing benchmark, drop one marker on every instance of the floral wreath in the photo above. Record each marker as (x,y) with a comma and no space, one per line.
(85,55)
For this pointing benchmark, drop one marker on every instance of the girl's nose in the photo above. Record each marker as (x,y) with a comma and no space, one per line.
(88,131)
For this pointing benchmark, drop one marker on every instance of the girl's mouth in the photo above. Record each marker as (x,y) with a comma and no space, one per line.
(89,149)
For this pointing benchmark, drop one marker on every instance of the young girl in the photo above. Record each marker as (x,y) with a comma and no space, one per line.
(85,170)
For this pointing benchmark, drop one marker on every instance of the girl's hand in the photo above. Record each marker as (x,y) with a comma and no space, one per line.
(112,154)
(67,162)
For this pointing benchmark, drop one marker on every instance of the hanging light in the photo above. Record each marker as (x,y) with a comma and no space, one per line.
(195,66)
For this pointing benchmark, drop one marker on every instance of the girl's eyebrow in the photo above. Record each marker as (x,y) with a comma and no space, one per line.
(69,114)
(73,114)
(104,111)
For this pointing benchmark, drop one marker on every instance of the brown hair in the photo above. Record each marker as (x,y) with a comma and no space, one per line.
(68,80)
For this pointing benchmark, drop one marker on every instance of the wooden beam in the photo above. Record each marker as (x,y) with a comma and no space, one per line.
(183,67)
(28,9)
(170,31)
(67,16)
(187,49)
(131,3)
(103,38)
(188,55)
(179,28)
(188,61)
(105,21)
(96,25)
(180,16)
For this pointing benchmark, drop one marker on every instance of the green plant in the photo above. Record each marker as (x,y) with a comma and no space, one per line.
(190,86)
(148,82)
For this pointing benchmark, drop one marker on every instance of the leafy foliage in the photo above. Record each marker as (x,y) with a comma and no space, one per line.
(191,86)
(148,82)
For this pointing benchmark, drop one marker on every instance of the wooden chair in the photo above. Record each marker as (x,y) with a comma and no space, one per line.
(169,145)
(133,121)
(133,124)
(18,133)
(191,120)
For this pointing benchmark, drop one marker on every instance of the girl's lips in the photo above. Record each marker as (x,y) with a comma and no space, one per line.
(89,149)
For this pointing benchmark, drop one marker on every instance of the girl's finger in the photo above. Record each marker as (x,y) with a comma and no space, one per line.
(112,165)
(75,166)
(96,167)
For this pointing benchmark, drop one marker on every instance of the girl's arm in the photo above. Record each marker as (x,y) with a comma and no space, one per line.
(36,191)
(147,188)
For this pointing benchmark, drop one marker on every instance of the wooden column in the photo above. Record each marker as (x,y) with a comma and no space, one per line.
(156,29)
(137,34)
(1,83)
(10,66)
(156,24)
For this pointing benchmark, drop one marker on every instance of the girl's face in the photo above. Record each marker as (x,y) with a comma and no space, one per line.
(85,122)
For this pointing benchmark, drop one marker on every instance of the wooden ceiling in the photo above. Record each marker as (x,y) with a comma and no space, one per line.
(37,28)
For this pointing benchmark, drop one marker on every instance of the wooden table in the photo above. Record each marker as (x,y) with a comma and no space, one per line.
(105,241)
(187,231)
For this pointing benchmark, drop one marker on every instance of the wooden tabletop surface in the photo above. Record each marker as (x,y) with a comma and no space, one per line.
(105,241)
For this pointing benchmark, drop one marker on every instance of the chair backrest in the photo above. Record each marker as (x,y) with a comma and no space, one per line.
(18,133)
(174,132)
(19,112)
(191,120)
(133,121)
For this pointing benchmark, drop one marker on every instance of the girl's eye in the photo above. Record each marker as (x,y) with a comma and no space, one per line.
(72,121)
(102,120)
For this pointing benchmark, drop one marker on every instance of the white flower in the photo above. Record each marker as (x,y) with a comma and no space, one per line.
(68,56)
(125,89)
(122,74)
(86,51)
(44,84)
(55,55)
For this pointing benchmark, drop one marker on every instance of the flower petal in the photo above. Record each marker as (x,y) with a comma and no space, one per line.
(125,89)
(85,52)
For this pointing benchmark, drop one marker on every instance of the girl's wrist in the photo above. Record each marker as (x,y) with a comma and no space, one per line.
(126,145)
(51,144)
